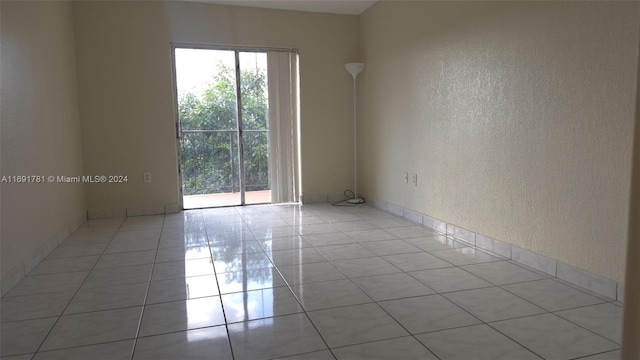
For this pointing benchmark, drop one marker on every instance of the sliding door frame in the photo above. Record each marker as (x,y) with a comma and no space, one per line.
(243,184)
(178,126)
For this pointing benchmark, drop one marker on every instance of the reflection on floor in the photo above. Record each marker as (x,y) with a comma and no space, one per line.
(225,199)
(294,282)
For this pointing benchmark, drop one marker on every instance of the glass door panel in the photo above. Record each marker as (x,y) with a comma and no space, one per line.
(255,126)
(208,127)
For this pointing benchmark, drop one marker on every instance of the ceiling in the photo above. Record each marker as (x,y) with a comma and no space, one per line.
(351,7)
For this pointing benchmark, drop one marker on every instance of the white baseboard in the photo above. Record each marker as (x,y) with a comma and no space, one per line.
(581,278)
(15,274)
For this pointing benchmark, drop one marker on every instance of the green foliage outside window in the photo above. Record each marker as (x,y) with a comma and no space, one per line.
(209,158)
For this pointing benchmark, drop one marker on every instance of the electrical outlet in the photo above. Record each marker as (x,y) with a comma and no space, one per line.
(146,177)
(415,179)
(406,177)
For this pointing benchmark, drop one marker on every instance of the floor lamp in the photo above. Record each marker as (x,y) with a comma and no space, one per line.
(354,69)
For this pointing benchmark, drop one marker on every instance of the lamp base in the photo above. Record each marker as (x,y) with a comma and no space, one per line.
(356,201)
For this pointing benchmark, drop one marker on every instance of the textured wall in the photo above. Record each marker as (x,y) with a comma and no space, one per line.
(516,116)
(631,328)
(40,128)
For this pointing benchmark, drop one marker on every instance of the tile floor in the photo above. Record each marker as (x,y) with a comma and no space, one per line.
(293,282)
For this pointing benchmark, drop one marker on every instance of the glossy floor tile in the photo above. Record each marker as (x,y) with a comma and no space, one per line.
(345,251)
(416,261)
(119,276)
(283,243)
(107,297)
(241,281)
(370,235)
(181,315)
(493,304)
(34,306)
(180,269)
(316,355)
(19,357)
(53,266)
(274,337)
(609,355)
(119,350)
(354,268)
(465,256)
(269,233)
(182,289)
(479,342)
(132,258)
(77,250)
(503,272)
(553,337)
(603,319)
(182,238)
(428,313)
(449,279)
(411,231)
(329,294)
(309,273)
(21,337)
(51,283)
(190,252)
(93,328)
(357,225)
(193,344)
(437,242)
(135,243)
(392,286)
(296,256)
(406,348)
(391,247)
(312,282)
(390,222)
(336,238)
(258,304)
(355,324)
(552,295)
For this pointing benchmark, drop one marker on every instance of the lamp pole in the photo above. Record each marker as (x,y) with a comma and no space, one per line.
(354,69)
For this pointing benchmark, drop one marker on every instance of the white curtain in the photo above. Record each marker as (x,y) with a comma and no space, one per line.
(282,73)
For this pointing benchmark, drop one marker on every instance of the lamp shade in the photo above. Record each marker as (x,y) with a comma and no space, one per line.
(354,68)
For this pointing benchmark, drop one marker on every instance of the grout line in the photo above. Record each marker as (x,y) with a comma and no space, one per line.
(373,301)
(600,353)
(75,293)
(587,329)
(514,340)
(79,346)
(146,295)
(388,314)
(304,311)
(215,272)
(289,286)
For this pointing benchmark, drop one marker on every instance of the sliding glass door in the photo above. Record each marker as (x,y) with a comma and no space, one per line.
(237,125)
(223,127)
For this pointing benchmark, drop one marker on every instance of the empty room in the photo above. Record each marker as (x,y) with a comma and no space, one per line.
(316,179)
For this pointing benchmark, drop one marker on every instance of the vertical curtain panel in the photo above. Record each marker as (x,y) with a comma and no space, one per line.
(282,73)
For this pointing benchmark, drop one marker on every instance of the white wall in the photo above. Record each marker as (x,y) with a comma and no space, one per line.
(127,108)
(516,116)
(39,131)
(631,328)
(126,104)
